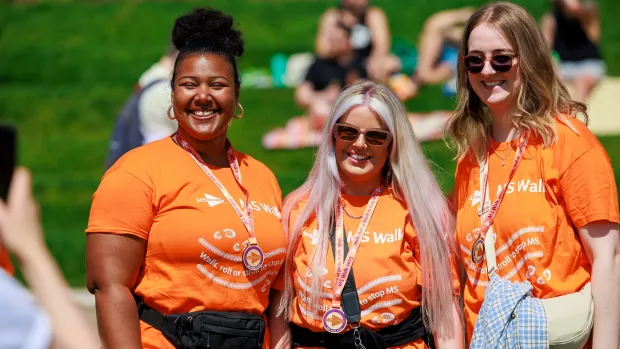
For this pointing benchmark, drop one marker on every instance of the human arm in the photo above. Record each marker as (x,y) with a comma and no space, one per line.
(589,192)
(379,31)
(547,26)
(380,63)
(304,94)
(601,241)
(112,266)
(21,233)
(322,42)
(591,21)
(279,332)
(118,228)
(456,341)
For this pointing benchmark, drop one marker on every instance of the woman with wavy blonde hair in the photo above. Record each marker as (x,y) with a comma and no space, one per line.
(372,195)
(530,174)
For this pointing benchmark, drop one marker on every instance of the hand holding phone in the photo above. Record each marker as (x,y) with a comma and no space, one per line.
(20,225)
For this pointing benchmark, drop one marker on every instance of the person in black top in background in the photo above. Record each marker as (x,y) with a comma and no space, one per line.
(573,30)
(327,76)
(370,37)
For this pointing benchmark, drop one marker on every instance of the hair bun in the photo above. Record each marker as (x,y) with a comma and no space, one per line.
(209,28)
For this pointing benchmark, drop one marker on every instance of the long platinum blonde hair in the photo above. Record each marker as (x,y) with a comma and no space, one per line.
(411,180)
(542,98)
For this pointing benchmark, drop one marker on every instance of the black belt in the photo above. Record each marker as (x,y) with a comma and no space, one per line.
(206,329)
(405,332)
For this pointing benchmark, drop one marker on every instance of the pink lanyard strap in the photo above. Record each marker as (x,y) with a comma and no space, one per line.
(484,185)
(246,218)
(345,263)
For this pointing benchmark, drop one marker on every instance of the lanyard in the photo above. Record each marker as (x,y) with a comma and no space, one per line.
(335,320)
(345,263)
(488,217)
(246,217)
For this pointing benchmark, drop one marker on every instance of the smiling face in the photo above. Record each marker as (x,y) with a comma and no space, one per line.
(499,91)
(359,162)
(204,95)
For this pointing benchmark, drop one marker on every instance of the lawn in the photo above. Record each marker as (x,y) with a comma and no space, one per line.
(66,67)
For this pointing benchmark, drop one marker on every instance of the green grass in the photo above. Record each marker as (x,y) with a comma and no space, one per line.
(67,66)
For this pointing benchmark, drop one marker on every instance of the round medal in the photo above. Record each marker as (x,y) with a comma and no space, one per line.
(334,320)
(477,250)
(253,257)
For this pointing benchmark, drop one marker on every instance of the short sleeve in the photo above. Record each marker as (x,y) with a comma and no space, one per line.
(279,282)
(589,189)
(466,168)
(121,205)
(456,283)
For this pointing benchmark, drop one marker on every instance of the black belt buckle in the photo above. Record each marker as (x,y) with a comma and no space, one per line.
(183,325)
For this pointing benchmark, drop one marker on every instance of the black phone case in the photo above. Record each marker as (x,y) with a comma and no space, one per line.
(8,139)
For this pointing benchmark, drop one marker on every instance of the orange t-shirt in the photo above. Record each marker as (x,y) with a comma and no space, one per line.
(194,237)
(5,261)
(554,191)
(387,266)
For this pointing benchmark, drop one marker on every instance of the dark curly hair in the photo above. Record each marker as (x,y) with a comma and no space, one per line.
(206,30)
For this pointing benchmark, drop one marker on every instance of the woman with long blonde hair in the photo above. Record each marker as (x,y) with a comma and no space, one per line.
(390,281)
(535,191)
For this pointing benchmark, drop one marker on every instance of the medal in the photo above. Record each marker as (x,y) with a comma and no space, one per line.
(334,320)
(253,257)
(477,251)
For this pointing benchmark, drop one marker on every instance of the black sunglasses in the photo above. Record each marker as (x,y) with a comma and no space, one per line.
(350,133)
(501,63)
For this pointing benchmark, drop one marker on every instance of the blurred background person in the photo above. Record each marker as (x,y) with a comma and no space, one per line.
(154,121)
(327,76)
(145,118)
(317,93)
(54,320)
(573,30)
(370,37)
(438,49)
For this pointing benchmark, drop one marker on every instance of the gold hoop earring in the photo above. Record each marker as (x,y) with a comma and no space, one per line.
(240,115)
(170,116)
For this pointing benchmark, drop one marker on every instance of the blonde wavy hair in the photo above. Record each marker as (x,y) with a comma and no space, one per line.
(411,180)
(542,98)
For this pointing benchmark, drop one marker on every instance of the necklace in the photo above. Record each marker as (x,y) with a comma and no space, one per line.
(350,215)
(502,158)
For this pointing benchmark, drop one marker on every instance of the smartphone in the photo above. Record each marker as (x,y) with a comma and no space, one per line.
(8,139)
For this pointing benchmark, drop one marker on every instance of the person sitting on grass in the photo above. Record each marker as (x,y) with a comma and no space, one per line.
(437,53)
(370,37)
(573,31)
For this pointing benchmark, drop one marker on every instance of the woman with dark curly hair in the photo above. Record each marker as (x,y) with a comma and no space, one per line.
(184,236)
